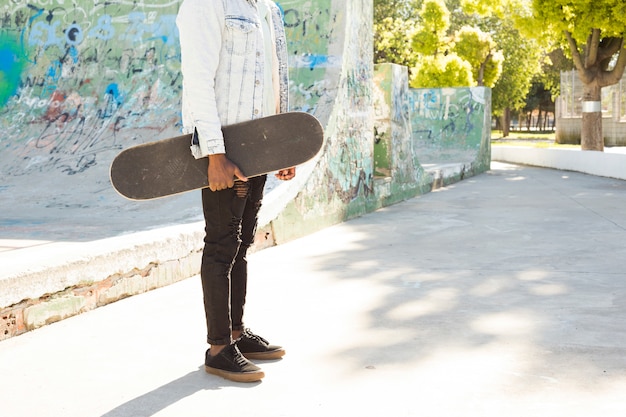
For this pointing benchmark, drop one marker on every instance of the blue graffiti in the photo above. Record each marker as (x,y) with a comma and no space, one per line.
(136,27)
(48,34)
(103,30)
(167,30)
(52,77)
(113,101)
(73,53)
(316,61)
(12,63)
(74,34)
(44,34)
(113,91)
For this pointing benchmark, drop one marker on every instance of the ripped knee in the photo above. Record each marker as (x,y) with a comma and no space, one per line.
(235,228)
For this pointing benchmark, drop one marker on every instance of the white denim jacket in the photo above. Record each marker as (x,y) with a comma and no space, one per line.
(222,61)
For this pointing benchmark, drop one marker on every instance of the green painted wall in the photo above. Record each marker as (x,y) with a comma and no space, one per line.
(448,123)
(378,152)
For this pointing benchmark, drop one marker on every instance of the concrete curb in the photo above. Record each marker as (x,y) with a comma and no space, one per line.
(611,164)
(50,282)
(47,269)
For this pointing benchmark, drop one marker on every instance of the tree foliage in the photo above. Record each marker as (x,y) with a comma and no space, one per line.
(437,66)
(480,50)
(592,32)
(392,39)
(431,37)
(522,63)
(396,9)
(419,34)
(550,75)
(448,43)
(442,70)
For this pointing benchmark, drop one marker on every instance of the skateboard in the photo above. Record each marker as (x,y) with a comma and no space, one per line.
(167,167)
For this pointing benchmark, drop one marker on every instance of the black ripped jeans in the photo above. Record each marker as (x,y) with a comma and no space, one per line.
(231,220)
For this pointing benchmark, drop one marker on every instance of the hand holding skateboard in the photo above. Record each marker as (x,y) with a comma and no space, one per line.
(222,173)
(286,174)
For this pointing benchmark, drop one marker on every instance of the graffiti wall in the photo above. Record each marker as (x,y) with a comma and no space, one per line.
(312,31)
(82,80)
(85,78)
(341,184)
(396,161)
(448,123)
(88,76)
(386,142)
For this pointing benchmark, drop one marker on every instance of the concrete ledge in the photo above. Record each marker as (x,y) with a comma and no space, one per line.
(445,174)
(611,163)
(48,268)
(52,281)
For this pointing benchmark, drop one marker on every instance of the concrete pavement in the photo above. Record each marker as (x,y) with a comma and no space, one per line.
(501,295)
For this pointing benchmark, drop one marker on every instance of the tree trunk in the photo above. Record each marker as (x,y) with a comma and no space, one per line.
(506,122)
(591,138)
(539,120)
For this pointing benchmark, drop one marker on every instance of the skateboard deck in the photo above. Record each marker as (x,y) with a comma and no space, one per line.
(167,167)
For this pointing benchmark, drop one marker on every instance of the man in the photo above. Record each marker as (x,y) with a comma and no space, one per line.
(234,67)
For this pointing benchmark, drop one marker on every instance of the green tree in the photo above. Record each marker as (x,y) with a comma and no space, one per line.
(394,27)
(431,38)
(395,9)
(392,41)
(449,47)
(593,34)
(438,65)
(539,101)
(442,71)
(554,63)
(522,62)
(480,51)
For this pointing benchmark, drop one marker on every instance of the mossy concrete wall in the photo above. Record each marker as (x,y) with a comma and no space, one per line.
(386,143)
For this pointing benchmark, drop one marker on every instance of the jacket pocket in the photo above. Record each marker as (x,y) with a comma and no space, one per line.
(241,35)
